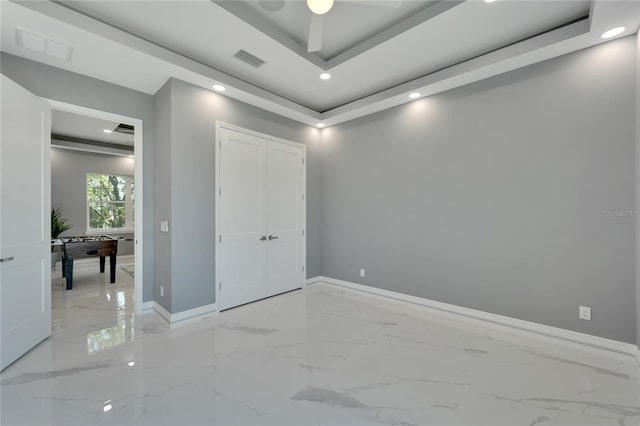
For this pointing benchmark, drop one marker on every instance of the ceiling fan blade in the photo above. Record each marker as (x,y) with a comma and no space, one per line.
(315,33)
(382,3)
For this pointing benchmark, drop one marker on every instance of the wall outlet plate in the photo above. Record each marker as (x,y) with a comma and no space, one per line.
(362,273)
(584,312)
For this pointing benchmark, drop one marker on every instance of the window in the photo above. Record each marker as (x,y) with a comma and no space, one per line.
(110,202)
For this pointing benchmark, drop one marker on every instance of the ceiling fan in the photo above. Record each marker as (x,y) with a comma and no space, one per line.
(319,8)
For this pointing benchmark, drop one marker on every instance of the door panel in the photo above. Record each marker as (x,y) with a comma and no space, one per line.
(284,217)
(25,273)
(242,218)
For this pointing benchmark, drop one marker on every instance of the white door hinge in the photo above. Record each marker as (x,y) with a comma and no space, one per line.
(220,237)
(220,287)
(220,191)
(303,269)
(303,232)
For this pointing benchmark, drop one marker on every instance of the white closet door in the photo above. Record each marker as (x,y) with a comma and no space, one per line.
(25,268)
(243,273)
(285,208)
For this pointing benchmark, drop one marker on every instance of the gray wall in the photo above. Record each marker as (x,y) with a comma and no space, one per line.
(190,162)
(163,195)
(69,186)
(65,86)
(493,196)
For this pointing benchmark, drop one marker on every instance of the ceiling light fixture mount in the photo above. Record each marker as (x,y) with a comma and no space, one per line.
(219,88)
(414,95)
(613,32)
(320,125)
(320,7)
(325,76)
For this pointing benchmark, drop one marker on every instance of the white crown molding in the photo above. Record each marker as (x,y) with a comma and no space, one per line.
(563,40)
(498,322)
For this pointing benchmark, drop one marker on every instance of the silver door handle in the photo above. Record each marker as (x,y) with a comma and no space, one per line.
(263,238)
(273,237)
(7,259)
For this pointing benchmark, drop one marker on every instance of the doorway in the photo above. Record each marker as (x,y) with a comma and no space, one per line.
(128,227)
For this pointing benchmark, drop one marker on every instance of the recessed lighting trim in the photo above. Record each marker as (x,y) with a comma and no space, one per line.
(107,131)
(325,76)
(414,95)
(320,125)
(489,1)
(613,32)
(131,363)
(130,156)
(219,88)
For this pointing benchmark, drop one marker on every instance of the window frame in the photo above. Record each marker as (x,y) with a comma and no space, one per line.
(128,206)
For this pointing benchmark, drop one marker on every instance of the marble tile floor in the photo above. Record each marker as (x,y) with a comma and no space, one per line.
(318,356)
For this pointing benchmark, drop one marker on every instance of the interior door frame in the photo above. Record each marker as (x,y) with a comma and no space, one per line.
(217,142)
(138,166)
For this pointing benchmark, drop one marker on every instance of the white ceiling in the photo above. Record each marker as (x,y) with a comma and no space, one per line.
(346,25)
(428,47)
(87,128)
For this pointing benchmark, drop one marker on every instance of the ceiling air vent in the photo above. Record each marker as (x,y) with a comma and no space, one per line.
(41,44)
(248,58)
(124,128)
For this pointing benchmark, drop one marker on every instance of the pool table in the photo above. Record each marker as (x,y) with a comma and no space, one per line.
(88,246)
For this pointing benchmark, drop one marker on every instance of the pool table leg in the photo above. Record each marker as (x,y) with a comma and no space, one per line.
(112,267)
(68,272)
(102,264)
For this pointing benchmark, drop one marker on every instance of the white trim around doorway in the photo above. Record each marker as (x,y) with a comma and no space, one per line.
(137,144)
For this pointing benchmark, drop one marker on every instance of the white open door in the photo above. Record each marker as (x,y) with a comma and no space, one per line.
(285,208)
(25,266)
(242,218)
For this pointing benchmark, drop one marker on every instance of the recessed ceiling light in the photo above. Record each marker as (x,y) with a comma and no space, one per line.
(414,95)
(613,32)
(489,1)
(131,363)
(107,131)
(130,156)
(320,125)
(219,88)
(325,76)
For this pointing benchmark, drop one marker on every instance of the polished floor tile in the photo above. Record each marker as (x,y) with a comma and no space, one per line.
(318,356)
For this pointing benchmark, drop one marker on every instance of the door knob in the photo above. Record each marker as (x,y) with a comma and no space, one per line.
(263,238)
(273,237)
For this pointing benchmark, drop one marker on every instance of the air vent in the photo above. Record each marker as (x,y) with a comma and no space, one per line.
(248,58)
(124,128)
(43,45)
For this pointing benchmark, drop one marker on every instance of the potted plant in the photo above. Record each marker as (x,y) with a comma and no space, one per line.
(58,226)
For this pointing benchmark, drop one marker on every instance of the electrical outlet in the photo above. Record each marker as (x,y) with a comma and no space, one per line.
(161,291)
(362,273)
(584,312)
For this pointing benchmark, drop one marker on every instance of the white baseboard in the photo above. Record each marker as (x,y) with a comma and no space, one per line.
(147,306)
(185,316)
(518,325)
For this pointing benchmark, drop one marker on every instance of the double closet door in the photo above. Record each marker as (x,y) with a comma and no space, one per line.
(261,194)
